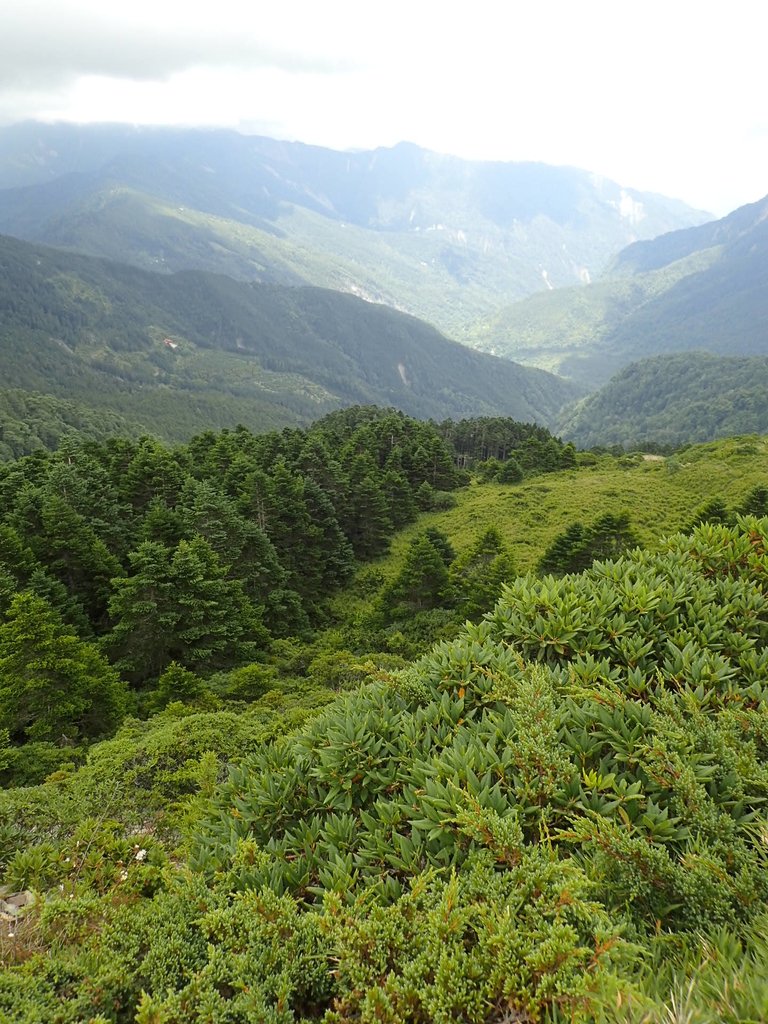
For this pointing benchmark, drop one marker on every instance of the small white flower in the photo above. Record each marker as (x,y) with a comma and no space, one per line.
(11,934)
(141,855)
(123,876)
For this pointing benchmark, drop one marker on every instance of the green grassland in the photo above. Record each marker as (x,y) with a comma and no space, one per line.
(660,494)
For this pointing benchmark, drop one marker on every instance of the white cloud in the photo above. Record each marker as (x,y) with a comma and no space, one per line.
(660,96)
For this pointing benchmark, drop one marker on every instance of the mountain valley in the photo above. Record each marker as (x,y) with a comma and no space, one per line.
(335,686)
(175,354)
(703,288)
(442,238)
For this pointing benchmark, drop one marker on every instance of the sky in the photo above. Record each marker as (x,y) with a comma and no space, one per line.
(666,97)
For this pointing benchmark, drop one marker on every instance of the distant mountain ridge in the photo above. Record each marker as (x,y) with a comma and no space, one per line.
(177,354)
(443,238)
(704,288)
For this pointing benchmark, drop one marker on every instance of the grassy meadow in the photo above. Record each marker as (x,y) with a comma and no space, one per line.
(660,494)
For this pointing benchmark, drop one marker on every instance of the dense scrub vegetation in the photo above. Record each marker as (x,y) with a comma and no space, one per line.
(556,813)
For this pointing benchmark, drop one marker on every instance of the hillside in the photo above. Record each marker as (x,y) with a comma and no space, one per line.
(442,238)
(703,288)
(673,400)
(176,354)
(556,814)
(660,494)
(32,422)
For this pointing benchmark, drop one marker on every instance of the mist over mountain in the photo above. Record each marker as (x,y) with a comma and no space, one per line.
(235,227)
(704,288)
(442,238)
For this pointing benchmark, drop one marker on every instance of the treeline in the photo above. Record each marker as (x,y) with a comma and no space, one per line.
(275,520)
(130,571)
(496,439)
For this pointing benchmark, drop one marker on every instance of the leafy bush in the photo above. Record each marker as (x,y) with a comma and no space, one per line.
(504,831)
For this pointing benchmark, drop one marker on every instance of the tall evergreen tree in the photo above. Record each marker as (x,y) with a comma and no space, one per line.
(178,605)
(401,504)
(71,551)
(154,471)
(578,546)
(476,577)
(53,684)
(421,583)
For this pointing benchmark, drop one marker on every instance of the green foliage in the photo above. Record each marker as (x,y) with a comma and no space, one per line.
(89,338)
(502,449)
(372,748)
(421,583)
(578,546)
(518,945)
(31,422)
(53,685)
(755,502)
(673,400)
(177,684)
(179,606)
(551,808)
(476,576)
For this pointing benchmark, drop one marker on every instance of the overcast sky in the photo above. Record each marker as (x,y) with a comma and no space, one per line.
(663,95)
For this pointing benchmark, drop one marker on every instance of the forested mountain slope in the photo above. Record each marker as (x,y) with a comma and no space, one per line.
(32,422)
(176,354)
(704,288)
(674,400)
(442,238)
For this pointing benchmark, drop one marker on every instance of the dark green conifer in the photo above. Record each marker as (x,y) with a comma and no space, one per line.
(179,606)
(53,684)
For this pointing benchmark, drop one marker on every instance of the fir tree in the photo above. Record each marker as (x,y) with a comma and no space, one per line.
(179,606)
(477,576)
(422,582)
(53,684)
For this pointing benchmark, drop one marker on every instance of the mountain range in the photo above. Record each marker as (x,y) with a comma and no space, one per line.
(177,353)
(191,278)
(442,238)
(703,288)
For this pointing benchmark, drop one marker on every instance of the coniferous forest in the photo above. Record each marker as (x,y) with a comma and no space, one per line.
(288,735)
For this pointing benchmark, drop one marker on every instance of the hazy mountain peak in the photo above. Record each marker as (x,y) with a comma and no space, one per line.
(447,239)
